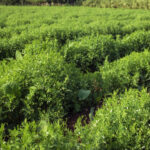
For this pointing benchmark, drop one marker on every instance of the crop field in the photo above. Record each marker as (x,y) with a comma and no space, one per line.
(74,78)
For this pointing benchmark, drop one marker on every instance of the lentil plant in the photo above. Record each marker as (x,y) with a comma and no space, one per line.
(56,63)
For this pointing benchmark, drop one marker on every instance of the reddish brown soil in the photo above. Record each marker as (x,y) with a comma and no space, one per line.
(72,119)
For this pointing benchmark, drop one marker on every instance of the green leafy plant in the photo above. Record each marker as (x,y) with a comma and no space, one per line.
(83,94)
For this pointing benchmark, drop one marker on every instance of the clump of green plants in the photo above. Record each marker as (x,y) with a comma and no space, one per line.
(41,81)
(122,122)
(32,85)
(37,135)
(89,52)
(56,64)
(17,30)
(130,71)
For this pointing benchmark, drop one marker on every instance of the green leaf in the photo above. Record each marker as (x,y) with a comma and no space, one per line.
(11,88)
(18,55)
(83,94)
(91,115)
(77,107)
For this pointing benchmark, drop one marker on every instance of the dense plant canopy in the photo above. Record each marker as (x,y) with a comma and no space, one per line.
(56,64)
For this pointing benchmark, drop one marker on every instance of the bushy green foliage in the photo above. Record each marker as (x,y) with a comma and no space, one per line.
(31,85)
(18,29)
(137,41)
(130,71)
(43,135)
(89,52)
(55,64)
(122,123)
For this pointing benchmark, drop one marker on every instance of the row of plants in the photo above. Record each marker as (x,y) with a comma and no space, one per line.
(53,67)
(130,71)
(33,84)
(122,123)
(89,52)
(9,46)
(18,29)
(43,82)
